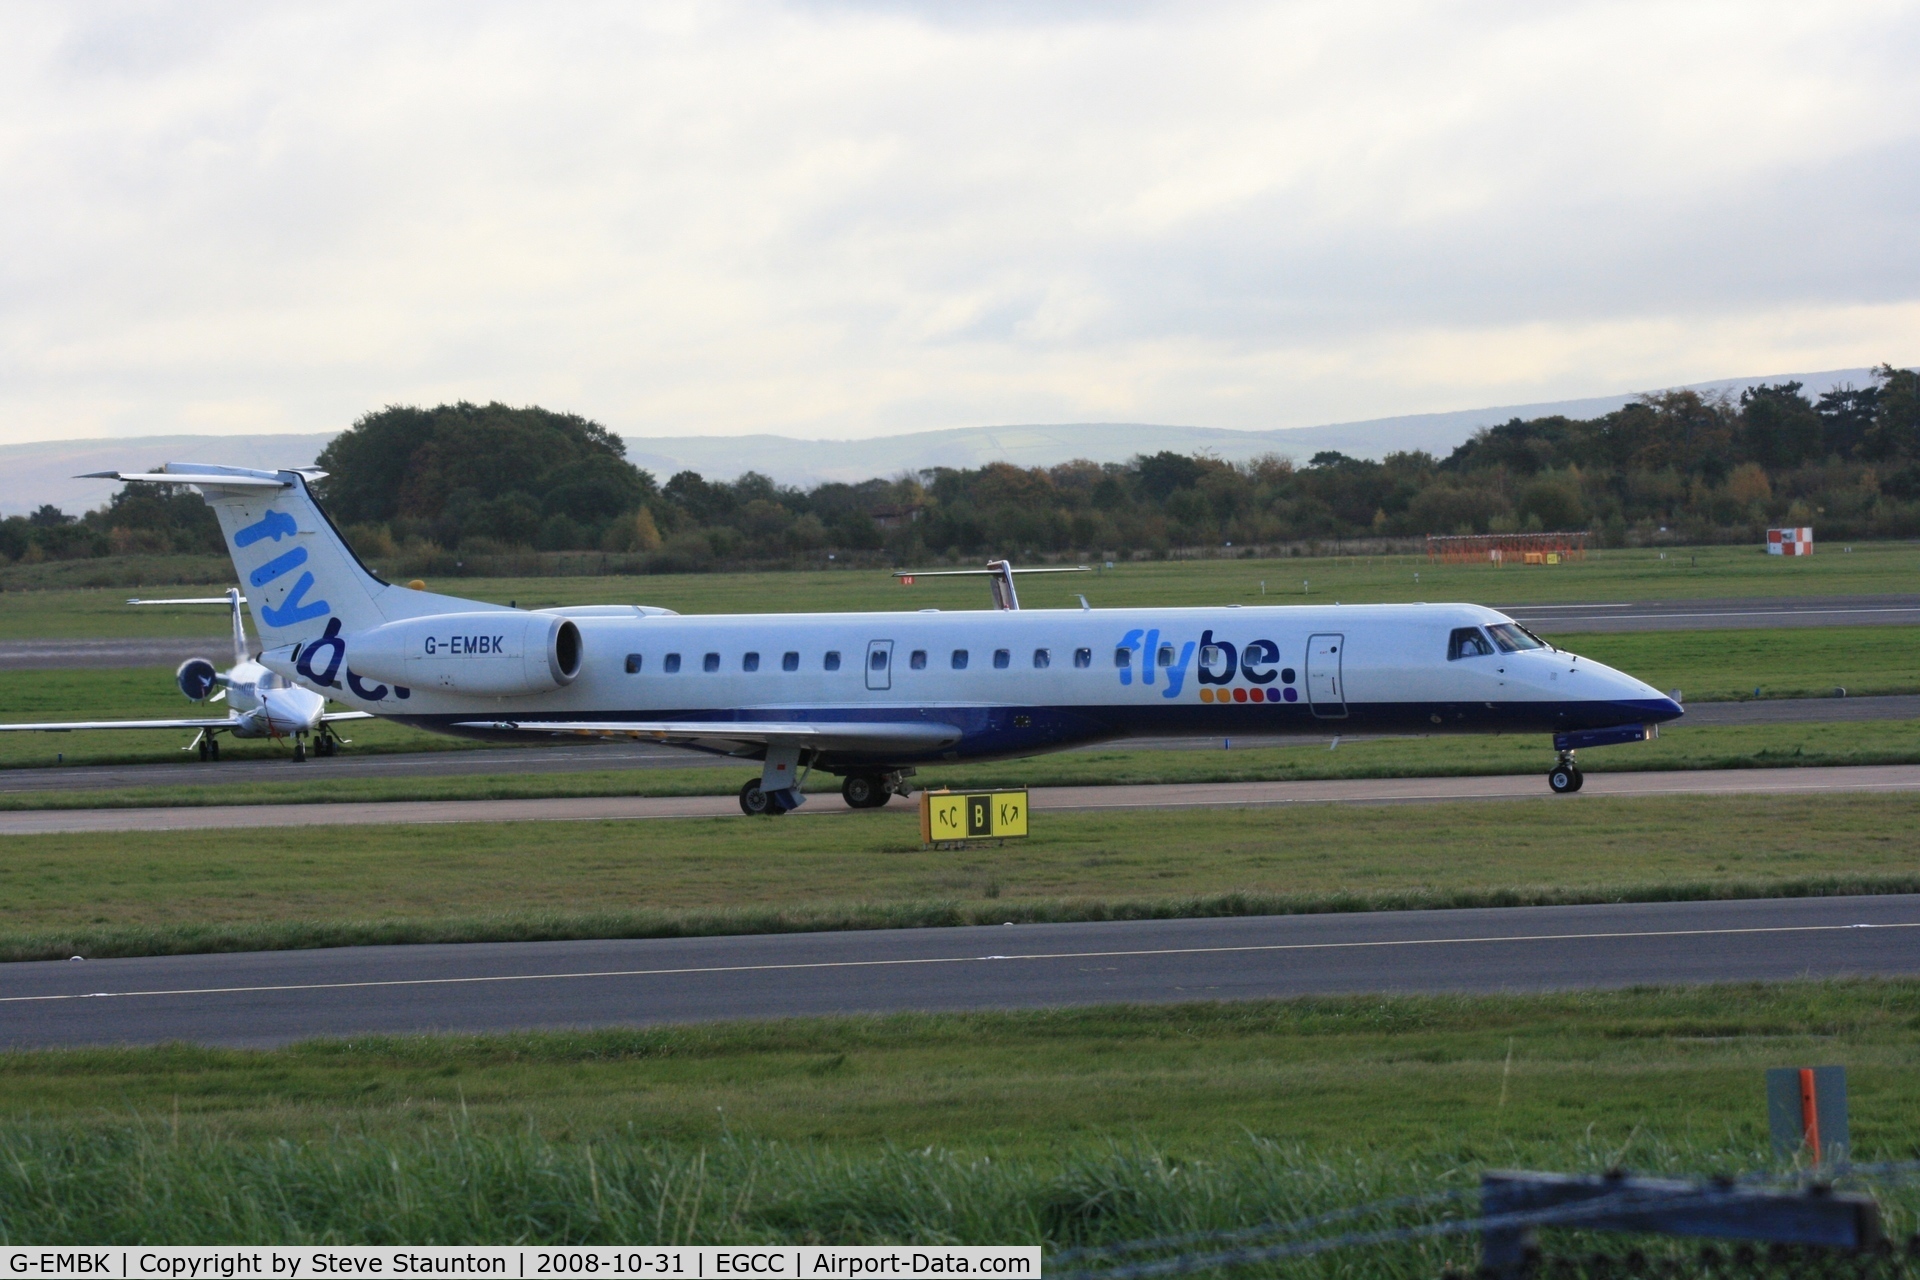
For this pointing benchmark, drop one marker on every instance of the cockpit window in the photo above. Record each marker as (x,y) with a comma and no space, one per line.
(1467,642)
(1512,637)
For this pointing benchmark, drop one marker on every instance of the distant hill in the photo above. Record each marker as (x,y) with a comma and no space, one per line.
(32,474)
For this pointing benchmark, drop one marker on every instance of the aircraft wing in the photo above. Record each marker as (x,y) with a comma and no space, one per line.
(731,735)
(225,722)
(333,717)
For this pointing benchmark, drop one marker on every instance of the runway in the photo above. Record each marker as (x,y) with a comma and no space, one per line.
(1698,615)
(587,758)
(42,655)
(270,998)
(1195,795)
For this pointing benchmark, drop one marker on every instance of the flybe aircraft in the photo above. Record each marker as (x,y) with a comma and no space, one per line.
(872,696)
(261,703)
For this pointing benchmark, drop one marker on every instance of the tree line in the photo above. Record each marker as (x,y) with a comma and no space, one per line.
(444,486)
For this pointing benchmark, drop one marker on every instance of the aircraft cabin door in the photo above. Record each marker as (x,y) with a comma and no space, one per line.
(879,664)
(1323,676)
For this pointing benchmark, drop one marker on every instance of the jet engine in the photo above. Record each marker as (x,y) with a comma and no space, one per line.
(197,678)
(500,654)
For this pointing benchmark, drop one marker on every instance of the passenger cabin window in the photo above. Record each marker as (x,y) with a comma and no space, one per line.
(749,662)
(918,660)
(633,664)
(833,660)
(1002,659)
(672,665)
(877,659)
(710,663)
(1083,658)
(1042,659)
(1467,642)
(1122,656)
(789,661)
(1512,637)
(959,659)
(1166,655)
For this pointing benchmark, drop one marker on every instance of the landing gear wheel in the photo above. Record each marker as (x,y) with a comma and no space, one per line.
(324,745)
(213,749)
(299,750)
(204,744)
(1565,779)
(754,802)
(865,791)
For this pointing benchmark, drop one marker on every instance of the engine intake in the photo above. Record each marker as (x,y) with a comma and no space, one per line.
(504,654)
(196,678)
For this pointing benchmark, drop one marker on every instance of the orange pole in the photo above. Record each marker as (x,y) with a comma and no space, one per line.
(1810,1113)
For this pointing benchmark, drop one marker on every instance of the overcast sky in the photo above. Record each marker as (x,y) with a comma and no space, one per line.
(858,219)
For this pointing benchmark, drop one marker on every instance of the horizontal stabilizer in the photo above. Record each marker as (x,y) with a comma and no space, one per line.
(223,480)
(825,735)
(190,600)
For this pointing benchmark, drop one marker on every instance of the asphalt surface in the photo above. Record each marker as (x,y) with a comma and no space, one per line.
(1197,795)
(40,655)
(269,998)
(587,758)
(1696,615)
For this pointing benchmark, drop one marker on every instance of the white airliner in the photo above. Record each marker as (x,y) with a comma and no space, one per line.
(871,696)
(261,703)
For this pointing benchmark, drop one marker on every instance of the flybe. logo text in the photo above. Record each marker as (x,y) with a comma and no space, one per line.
(1211,662)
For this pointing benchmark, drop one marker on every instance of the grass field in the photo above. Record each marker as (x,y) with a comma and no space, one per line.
(1760,747)
(1704,572)
(107,894)
(1060,1127)
(1704,665)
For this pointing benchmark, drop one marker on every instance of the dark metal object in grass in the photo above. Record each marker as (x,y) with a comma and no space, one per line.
(1816,1216)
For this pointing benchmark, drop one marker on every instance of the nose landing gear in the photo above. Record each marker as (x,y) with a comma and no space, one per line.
(1565,777)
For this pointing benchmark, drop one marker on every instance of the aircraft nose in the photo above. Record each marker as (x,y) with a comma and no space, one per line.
(1666,709)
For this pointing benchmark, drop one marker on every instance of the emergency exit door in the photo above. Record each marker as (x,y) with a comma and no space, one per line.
(1324,692)
(879,664)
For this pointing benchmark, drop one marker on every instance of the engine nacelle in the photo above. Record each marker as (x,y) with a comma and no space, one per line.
(505,654)
(197,679)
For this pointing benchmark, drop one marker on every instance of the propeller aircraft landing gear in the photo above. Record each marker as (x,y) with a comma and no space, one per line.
(1565,777)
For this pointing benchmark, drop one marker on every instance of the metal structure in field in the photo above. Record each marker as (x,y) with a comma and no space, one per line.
(1507,548)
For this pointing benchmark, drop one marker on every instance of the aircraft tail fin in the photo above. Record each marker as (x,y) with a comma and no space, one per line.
(302,581)
(240,653)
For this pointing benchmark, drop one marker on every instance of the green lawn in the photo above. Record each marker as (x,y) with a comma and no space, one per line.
(1760,747)
(1604,576)
(1057,1126)
(108,894)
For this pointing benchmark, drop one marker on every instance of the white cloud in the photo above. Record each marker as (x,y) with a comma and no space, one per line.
(865,218)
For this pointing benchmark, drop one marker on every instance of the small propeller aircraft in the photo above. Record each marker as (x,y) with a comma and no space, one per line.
(261,703)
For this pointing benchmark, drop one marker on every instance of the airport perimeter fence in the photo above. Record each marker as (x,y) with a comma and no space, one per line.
(1545,1226)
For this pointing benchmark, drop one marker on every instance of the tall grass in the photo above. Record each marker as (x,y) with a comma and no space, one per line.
(143,1181)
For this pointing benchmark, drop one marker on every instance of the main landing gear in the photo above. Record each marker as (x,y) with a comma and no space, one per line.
(873,790)
(208,745)
(865,791)
(1565,777)
(756,803)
